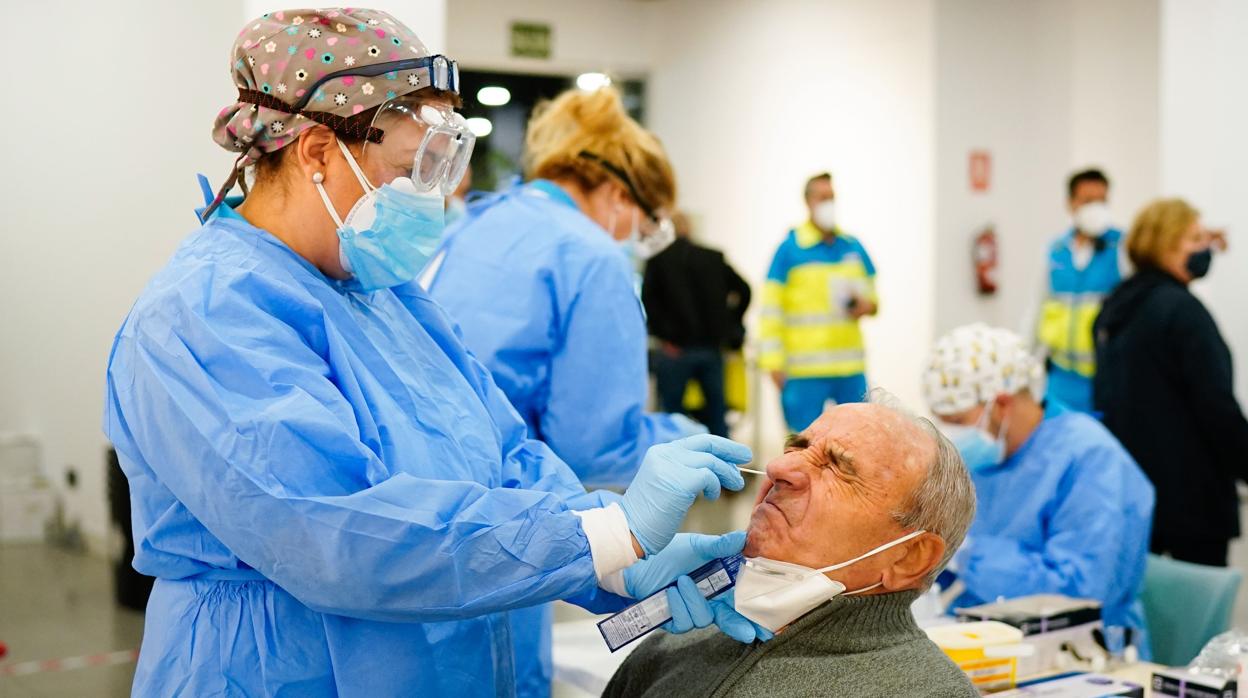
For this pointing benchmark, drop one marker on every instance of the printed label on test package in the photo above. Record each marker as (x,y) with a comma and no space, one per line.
(712,579)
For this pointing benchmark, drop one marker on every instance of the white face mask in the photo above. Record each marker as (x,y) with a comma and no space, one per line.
(1093,218)
(824,215)
(773,593)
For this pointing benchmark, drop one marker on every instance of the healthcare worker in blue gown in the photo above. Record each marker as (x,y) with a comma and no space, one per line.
(540,280)
(333,493)
(1062,506)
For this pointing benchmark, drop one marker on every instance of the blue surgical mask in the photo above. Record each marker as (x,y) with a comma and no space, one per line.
(389,233)
(979,450)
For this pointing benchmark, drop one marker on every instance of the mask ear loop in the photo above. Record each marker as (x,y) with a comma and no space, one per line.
(359,174)
(610,227)
(909,536)
(998,437)
(317,178)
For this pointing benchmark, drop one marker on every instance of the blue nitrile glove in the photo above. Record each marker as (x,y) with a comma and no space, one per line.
(669,480)
(687,426)
(686,553)
(691,610)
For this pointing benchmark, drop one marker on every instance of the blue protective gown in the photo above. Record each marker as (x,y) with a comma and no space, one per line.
(547,300)
(1069,513)
(333,494)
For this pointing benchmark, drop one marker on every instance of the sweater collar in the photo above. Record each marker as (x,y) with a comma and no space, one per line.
(854,624)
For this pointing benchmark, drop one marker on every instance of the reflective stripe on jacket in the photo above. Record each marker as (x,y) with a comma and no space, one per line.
(806,328)
(1074,300)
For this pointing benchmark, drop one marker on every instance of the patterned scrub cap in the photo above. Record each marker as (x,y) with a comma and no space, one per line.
(297,68)
(974,364)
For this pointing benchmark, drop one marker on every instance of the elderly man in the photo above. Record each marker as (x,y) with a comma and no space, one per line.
(1063,508)
(861,513)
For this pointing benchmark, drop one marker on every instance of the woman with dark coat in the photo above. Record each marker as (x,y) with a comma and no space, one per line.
(1164,383)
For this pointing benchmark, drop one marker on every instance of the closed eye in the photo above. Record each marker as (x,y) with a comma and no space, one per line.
(841,460)
(796,442)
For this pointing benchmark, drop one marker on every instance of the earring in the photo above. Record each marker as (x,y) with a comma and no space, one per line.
(317,178)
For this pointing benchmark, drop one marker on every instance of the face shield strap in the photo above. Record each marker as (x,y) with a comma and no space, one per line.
(438,72)
(621,175)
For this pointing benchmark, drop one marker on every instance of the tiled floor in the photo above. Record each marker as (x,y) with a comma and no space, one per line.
(55,604)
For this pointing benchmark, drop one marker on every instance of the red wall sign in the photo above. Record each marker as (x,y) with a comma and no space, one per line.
(980,170)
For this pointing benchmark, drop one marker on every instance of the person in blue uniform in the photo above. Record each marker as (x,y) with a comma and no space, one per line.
(540,280)
(334,495)
(1084,264)
(1063,508)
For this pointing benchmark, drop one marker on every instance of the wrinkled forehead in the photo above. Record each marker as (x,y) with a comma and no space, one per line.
(877,438)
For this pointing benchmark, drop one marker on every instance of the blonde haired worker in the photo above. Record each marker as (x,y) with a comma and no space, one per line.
(1165,385)
(539,278)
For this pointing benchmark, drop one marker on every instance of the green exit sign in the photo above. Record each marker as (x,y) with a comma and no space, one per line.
(530,40)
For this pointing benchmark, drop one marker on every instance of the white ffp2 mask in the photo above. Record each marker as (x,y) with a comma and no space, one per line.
(1093,218)
(773,593)
(824,215)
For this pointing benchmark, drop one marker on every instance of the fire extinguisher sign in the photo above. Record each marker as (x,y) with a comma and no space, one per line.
(980,170)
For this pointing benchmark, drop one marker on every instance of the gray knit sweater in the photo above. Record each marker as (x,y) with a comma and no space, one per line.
(852,646)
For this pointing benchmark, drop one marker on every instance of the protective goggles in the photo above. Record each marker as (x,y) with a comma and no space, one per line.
(656,230)
(426,140)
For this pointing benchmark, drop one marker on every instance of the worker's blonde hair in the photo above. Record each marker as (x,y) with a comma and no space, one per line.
(1157,229)
(596,123)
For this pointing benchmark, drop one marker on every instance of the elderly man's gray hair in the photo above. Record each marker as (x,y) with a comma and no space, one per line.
(944,502)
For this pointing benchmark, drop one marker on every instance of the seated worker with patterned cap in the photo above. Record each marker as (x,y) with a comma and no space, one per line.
(1063,508)
(862,511)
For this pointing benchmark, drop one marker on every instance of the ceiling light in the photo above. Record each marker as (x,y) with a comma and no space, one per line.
(480,126)
(592,81)
(493,95)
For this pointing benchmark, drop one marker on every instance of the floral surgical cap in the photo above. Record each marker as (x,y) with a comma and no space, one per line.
(974,364)
(297,68)
(277,58)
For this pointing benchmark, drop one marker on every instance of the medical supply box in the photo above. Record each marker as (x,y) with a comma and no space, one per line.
(1181,683)
(1049,622)
(1076,685)
(987,651)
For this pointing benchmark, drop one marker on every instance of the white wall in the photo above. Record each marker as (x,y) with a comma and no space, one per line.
(425,17)
(605,35)
(1046,88)
(1204,147)
(752,98)
(109,138)
(102,140)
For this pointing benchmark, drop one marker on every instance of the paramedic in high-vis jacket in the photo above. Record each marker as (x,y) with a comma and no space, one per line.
(820,284)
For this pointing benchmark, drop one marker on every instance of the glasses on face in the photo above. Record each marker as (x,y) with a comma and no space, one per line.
(654,235)
(655,230)
(438,162)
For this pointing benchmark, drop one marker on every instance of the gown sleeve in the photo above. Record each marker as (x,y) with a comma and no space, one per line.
(595,417)
(1098,509)
(244,425)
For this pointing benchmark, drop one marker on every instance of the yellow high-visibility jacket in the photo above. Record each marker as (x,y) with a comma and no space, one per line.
(806,328)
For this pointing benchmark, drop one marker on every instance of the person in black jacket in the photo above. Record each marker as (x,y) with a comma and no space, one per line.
(1164,384)
(695,304)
